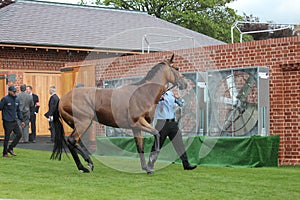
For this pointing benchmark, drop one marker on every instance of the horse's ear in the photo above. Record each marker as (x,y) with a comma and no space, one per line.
(171,59)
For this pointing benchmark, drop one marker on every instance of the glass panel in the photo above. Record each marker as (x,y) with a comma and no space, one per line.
(233,102)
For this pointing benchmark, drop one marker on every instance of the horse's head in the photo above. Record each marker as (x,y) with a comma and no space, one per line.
(175,77)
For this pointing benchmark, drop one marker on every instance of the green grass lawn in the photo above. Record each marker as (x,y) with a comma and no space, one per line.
(32,175)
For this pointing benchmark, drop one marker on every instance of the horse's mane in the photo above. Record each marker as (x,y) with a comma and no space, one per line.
(150,74)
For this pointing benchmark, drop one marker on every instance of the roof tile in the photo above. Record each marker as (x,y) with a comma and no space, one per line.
(68,25)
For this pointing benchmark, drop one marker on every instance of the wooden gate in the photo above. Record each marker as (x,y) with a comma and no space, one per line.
(3,92)
(41,82)
(72,77)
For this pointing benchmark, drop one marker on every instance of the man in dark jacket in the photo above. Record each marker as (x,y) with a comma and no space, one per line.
(10,112)
(33,113)
(53,103)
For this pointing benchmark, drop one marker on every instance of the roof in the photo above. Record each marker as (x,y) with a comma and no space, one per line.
(68,25)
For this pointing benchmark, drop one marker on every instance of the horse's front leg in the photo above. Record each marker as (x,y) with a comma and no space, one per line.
(140,149)
(145,126)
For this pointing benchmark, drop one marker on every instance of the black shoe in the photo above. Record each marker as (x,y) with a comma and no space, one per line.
(189,167)
(11,152)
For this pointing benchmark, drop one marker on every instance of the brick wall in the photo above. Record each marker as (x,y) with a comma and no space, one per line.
(291,91)
(282,56)
(37,59)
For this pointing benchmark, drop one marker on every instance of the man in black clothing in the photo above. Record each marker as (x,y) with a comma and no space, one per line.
(33,113)
(53,101)
(168,127)
(10,112)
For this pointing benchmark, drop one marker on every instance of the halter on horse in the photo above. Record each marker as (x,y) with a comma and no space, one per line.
(130,106)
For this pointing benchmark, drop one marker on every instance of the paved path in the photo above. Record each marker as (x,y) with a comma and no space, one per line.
(42,143)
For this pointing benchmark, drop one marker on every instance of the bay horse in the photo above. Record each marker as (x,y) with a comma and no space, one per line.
(131,106)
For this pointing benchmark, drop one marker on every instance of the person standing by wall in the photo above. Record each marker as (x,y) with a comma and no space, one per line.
(10,113)
(53,101)
(168,127)
(26,106)
(33,113)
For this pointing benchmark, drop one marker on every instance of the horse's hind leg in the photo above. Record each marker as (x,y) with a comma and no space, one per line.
(71,143)
(75,148)
(83,151)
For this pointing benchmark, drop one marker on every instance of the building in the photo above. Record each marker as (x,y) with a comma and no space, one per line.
(38,38)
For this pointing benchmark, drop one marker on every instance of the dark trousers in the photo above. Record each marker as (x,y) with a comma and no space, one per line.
(33,127)
(170,129)
(52,130)
(8,128)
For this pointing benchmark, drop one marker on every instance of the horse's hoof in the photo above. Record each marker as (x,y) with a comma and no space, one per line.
(91,166)
(84,170)
(150,172)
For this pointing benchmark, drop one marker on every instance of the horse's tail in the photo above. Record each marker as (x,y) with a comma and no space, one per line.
(59,136)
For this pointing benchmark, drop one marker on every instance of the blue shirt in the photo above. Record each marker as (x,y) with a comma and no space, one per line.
(166,105)
(10,108)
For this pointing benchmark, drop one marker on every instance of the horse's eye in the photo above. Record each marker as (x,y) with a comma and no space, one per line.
(176,68)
